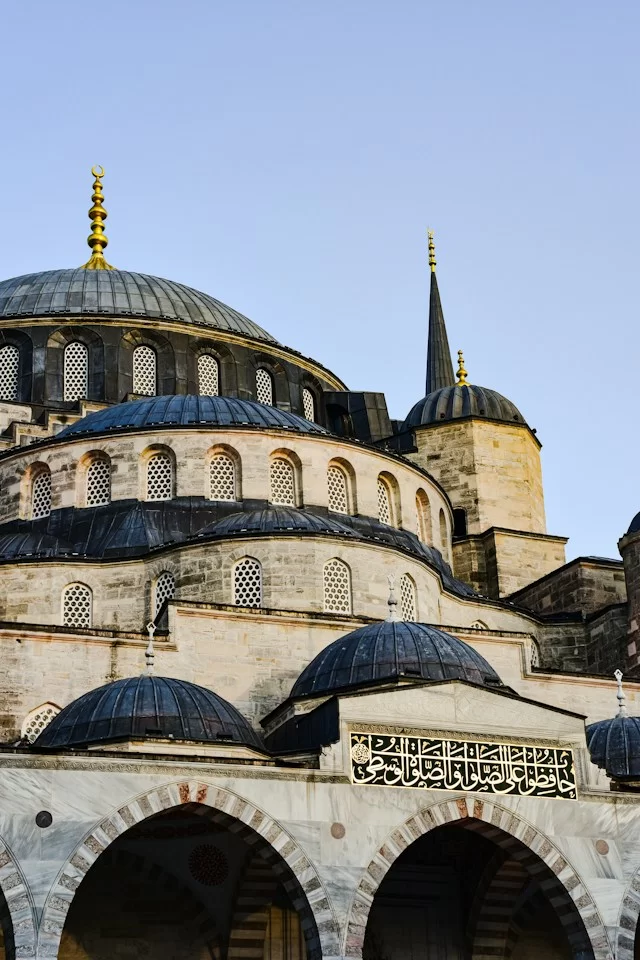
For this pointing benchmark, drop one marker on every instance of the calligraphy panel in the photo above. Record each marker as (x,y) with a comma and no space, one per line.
(430,763)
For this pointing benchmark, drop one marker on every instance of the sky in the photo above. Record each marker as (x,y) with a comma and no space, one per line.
(287,158)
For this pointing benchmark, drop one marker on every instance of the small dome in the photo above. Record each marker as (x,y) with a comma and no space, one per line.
(276,520)
(391,650)
(614,746)
(634,526)
(119,293)
(188,410)
(457,402)
(147,707)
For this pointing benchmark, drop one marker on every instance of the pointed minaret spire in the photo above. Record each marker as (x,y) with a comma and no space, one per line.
(439,366)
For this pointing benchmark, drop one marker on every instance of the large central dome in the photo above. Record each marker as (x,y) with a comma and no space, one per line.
(119,293)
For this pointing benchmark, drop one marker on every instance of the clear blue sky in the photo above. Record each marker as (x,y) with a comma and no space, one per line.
(286,157)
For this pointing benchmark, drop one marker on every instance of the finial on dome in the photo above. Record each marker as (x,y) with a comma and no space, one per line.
(97,240)
(432,251)
(622,706)
(461,373)
(392,603)
(149,653)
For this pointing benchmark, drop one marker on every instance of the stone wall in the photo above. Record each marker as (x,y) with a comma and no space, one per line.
(499,562)
(584,586)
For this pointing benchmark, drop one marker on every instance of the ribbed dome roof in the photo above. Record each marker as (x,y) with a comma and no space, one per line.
(465,400)
(388,651)
(119,293)
(189,410)
(276,520)
(634,526)
(614,746)
(147,707)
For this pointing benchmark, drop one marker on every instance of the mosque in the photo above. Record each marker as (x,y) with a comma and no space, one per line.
(282,677)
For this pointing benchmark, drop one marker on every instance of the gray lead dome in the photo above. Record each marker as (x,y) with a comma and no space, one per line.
(119,293)
(459,401)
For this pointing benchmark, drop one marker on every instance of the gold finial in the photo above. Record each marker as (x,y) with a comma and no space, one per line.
(432,251)
(461,372)
(97,239)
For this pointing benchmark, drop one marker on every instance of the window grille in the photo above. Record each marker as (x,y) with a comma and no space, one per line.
(535,654)
(408,598)
(165,590)
(41,495)
(222,478)
(76,371)
(337,587)
(144,371)
(337,489)
(247,583)
(423,517)
(208,375)
(384,502)
(76,605)
(9,369)
(159,477)
(309,405)
(282,483)
(98,483)
(35,721)
(264,386)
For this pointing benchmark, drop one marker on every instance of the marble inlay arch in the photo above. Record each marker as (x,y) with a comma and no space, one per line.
(498,824)
(628,919)
(20,937)
(254,826)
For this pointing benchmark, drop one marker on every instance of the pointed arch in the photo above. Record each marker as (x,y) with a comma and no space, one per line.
(17,910)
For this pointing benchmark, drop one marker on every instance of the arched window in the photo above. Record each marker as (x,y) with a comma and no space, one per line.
(77,602)
(336,578)
(76,371)
(423,517)
(208,375)
(247,583)
(479,625)
(9,370)
(98,482)
(535,654)
(408,598)
(165,588)
(36,720)
(159,477)
(308,405)
(264,386)
(41,494)
(282,482)
(337,489)
(443,531)
(386,504)
(459,522)
(222,477)
(144,371)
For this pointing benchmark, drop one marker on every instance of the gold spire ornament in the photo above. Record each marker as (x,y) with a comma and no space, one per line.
(97,239)
(461,373)
(432,251)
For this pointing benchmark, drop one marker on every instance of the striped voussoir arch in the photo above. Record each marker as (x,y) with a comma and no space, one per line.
(628,920)
(519,841)
(491,913)
(16,909)
(263,834)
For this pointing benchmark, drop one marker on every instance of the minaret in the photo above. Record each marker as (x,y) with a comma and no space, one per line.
(97,239)
(439,366)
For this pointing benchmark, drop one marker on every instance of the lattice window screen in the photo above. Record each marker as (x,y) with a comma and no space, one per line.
(247,583)
(208,375)
(98,483)
(159,477)
(165,590)
(337,489)
(384,502)
(9,369)
(407,598)
(76,371)
(222,478)
(144,371)
(282,480)
(35,721)
(76,605)
(535,654)
(309,405)
(41,495)
(264,386)
(337,587)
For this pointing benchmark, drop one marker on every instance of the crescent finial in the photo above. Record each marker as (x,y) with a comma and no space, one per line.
(94,171)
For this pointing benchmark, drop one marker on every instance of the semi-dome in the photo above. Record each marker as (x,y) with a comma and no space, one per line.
(277,520)
(189,410)
(119,293)
(614,745)
(392,650)
(147,707)
(459,401)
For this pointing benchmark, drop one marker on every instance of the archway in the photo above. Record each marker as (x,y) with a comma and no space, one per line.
(17,928)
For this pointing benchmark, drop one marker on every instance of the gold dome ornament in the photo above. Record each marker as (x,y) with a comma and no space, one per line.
(461,373)
(432,251)
(97,240)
